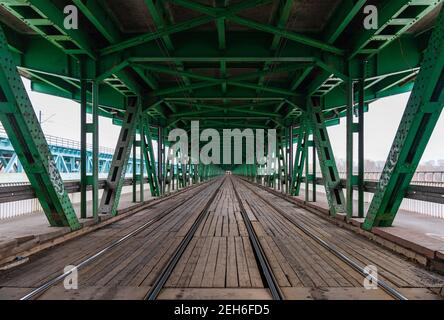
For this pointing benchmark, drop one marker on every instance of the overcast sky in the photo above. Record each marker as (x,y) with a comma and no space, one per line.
(61,117)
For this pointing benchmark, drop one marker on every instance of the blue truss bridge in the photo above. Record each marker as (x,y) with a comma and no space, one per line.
(66,154)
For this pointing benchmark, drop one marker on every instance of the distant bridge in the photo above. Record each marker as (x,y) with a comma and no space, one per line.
(66,153)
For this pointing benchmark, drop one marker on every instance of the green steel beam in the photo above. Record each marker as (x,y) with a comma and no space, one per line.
(93,129)
(332,183)
(156,13)
(349,147)
(149,158)
(114,182)
(93,10)
(299,160)
(399,15)
(284,14)
(216,81)
(56,16)
(181,26)
(26,136)
(14,40)
(261,27)
(341,18)
(419,119)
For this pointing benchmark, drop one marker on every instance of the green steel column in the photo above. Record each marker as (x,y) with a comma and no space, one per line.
(138,144)
(148,156)
(27,138)
(113,186)
(83,149)
(168,171)
(327,162)
(299,160)
(313,175)
(349,147)
(160,158)
(361,106)
(142,160)
(290,160)
(307,167)
(418,121)
(134,185)
(92,129)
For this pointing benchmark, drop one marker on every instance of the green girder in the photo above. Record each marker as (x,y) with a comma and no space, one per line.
(418,121)
(114,182)
(321,64)
(148,155)
(25,133)
(332,182)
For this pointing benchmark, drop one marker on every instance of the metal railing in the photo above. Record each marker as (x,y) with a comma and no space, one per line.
(18,198)
(64,143)
(425,195)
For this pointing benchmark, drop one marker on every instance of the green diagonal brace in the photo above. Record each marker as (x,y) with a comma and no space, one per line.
(114,182)
(299,160)
(28,140)
(332,182)
(149,159)
(420,116)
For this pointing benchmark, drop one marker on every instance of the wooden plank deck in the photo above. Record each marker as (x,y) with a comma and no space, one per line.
(219,262)
(299,261)
(136,263)
(220,255)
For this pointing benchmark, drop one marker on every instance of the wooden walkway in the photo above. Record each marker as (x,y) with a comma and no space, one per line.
(220,254)
(219,261)
(299,262)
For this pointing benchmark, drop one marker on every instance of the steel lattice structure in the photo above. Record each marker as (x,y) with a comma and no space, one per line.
(294,66)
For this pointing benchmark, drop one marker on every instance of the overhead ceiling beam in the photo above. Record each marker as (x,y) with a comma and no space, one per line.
(283,15)
(160,23)
(390,13)
(186,25)
(209,83)
(341,18)
(95,13)
(262,27)
(48,9)
(214,80)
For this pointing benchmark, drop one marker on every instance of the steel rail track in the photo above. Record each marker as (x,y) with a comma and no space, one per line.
(265,266)
(353,264)
(47,285)
(177,254)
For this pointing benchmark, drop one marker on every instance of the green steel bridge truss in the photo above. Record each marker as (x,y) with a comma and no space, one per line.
(248,64)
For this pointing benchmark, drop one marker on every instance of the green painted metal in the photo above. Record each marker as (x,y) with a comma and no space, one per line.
(342,17)
(182,26)
(400,14)
(139,148)
(332,183)
(360,130)
(298,64)
(299,159)
(69,40)
(114,182)
(26,136)
(262,27)
(148,156)
(169,172)
(419,119)
(350,129)
(91,128)
(95,13)
(282,163)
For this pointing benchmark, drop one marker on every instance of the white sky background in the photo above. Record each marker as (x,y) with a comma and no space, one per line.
(380,125)
(61,117)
